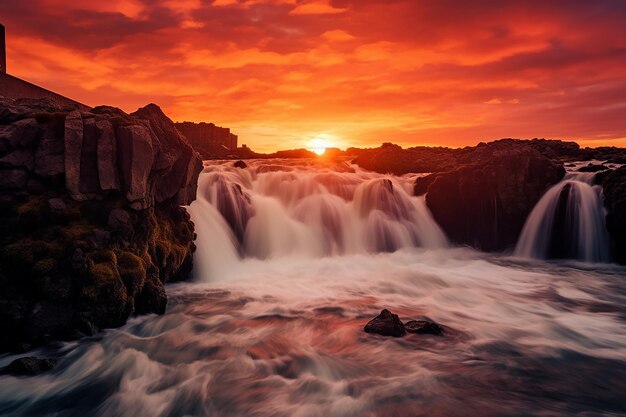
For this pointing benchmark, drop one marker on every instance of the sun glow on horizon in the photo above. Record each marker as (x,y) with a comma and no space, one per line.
(320,143)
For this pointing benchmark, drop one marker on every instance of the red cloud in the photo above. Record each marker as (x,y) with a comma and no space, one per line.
(279,71)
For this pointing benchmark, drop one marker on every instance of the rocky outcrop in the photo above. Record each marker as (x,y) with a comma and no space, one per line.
(614,186)
(389,324)
(392,159)
(91,223)
(210,140)
(485,202)
(386,324)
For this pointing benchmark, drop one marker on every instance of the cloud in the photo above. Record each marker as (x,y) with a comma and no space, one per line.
(414,72)
(316,7)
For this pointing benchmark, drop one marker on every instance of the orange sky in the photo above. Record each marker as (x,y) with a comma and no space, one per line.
(357,72)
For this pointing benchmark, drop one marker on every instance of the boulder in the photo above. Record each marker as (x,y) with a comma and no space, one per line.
(423,327)
(29,366)
(593,168)
(240,164)
(386,324)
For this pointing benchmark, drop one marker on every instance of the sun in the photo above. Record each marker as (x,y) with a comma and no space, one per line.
(319,143)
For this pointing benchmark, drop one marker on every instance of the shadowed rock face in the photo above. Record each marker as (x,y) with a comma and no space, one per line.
(90,220)
(614,186)
(29,366)
(485,202)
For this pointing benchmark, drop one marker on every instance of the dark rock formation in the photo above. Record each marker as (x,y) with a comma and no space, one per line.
(485,201)
(29,366)
(593,168)
(386,324)
(240,164)
(392,159)
(209,140)
(423,327)
(232,202)
(614,185)
(90,220)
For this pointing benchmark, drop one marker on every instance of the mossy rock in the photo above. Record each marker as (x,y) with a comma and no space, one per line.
(132,270)
(25,253)
(44,266)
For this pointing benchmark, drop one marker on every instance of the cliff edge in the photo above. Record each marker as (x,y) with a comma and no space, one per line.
(91,223)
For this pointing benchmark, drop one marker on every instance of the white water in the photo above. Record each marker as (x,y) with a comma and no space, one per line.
(567,225)
(278,332)
(287,208)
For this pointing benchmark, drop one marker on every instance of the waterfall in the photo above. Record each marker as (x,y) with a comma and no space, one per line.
(567,223)
(299,208)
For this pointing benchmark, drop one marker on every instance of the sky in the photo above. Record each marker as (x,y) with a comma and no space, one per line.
(281,73)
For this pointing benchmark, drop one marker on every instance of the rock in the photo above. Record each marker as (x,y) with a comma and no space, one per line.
(107,156)
(136,156)
(386,324)
(89,184)
(422,183)
(13,178)
(73,148)
(240,164)
(593,168)
(234,204)
(614,188)
(210,140)
(91,227)
(57,205)
(423,327)
(484,203)
(118,220)
(29,366)
(19,158)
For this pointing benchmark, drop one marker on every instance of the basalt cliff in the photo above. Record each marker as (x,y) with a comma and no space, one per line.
(91,223)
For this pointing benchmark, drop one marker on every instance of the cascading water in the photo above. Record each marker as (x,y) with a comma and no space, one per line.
(289,275)
(567,223)
(303,209)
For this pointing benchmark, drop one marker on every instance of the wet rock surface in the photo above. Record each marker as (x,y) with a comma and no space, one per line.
(485,202)
(389,324)
(423,327)
(386,324)
(91,226)
(29,366)
(614,189)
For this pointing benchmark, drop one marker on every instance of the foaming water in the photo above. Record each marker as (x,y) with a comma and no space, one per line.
(305,209)
(568,222)
(279,333)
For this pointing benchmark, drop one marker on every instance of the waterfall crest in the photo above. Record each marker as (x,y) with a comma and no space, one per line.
(567,223)
(302,208)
